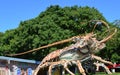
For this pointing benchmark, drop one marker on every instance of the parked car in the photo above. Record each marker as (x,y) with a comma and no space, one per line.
(115,67)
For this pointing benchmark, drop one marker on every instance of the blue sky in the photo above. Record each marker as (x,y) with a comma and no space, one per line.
(14,11)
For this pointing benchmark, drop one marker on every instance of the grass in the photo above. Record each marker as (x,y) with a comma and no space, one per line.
(103,73)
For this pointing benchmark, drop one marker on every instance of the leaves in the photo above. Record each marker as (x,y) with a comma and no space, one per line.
(52,25)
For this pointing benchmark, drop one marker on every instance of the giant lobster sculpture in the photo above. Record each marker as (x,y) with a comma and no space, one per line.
(84,48)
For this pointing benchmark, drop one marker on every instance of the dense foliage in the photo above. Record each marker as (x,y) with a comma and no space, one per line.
(53,25)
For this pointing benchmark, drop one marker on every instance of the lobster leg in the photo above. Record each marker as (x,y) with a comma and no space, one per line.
(102,60)
(41,66)
(50,69)
(66,68)
(82,71)
(62,62)
(51,66)
(106,69)
(103,65)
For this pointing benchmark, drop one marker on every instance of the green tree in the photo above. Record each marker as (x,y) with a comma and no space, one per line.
(54,24)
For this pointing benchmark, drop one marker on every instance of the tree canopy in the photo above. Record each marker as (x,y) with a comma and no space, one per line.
(54,24)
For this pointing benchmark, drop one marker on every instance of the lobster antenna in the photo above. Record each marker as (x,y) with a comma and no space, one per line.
(101,22)
(49,45)
(110,36)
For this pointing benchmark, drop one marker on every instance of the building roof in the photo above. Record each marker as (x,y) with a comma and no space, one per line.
(19,60)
